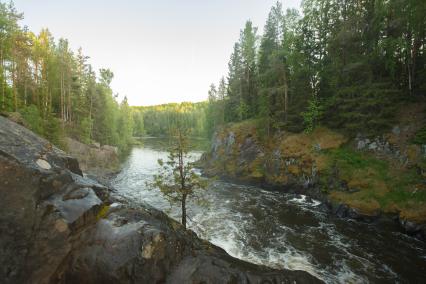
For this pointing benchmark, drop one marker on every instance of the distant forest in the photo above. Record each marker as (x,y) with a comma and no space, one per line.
(160,120)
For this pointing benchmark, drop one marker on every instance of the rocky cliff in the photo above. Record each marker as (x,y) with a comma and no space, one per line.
(362,178)
(94,159)
(59,227)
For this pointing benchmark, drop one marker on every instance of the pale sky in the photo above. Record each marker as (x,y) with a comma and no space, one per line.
(160,51)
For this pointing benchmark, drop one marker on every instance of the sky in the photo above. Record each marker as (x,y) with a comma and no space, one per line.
(160,51)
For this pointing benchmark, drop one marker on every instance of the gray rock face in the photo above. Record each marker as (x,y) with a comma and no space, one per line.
(229,142)
(59,227)
(94,159)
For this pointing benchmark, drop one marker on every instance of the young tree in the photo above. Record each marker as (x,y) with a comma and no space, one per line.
(177,179)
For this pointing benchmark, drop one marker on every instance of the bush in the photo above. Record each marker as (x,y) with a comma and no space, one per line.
(420,137)
(312,115)
(33,119)
(54,132)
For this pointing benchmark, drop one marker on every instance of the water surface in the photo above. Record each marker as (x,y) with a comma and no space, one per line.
(281,230)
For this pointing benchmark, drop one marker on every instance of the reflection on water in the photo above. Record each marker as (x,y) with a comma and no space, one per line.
(281,230)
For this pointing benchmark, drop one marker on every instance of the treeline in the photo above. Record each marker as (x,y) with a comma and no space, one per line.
(55,89)
(344,64)
(160,120)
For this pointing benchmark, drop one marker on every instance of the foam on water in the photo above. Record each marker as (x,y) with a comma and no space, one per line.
(304,201)
(274,229)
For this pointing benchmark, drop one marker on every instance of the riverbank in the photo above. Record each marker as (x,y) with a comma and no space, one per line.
(94,159)
(361,178)
(280,230)
(60,227)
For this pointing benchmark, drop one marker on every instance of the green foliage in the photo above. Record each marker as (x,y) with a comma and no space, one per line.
(33,119)
(368,108)
(360,60)
(177,179)
(138,126)
(54,88)
(312,115)
(85,128)
(420,137)
(160,120)
(404,189)
(381,182)
(350,160)
(53,131)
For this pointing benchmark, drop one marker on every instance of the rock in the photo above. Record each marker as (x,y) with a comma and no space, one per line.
(413,229)
(396,130)
(60,227)
(230,140)
(341,210)
(110,149)
(361,144)
(95,145)
(93,159)
(43,164)
(317,147)
(373,146)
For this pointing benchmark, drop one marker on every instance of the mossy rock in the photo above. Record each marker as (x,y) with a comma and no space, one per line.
(414,213)
(103,212)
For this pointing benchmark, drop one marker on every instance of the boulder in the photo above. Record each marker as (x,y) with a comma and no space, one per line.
(93,159)
(60,227)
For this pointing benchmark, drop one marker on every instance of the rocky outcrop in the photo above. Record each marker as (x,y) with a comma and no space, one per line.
(362,179)
(94,159)
(60,227)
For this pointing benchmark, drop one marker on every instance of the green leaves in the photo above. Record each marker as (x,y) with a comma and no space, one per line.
(312,115)
(177,179)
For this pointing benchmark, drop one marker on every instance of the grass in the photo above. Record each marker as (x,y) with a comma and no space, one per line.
(393,188)
(351,160)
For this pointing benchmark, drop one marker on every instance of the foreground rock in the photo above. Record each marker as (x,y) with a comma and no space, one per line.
(58,227)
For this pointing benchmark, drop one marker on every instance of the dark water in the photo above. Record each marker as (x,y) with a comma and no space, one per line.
(282,230)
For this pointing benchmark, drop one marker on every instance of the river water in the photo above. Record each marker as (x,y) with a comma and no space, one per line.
(281,230)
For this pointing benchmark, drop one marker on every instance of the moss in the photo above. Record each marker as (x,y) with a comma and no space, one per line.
(297,146)
(374,184)
(102,212)
(393,189)
(414,153)
(322,162)
(256,168)
(294,169)
(414,213)
(328,139)
(420,137)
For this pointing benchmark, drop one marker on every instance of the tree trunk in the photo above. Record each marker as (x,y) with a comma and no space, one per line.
(37,87)
(182,178)
(3,79)
(285,96)
(14,78)
(62,99)
(184,211)
(69,103)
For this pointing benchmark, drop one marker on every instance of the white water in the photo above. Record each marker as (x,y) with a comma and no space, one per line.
(282,230)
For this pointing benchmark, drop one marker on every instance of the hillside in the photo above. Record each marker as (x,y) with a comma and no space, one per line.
(361,177)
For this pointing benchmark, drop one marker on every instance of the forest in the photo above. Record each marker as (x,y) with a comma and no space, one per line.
(55,90)
(160,120)
(343,64)
(346,65)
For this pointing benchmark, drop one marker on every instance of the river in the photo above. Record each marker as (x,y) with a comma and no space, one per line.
(281,230)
